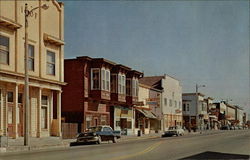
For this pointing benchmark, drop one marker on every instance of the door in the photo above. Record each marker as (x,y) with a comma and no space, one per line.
(10,115)
(20,116)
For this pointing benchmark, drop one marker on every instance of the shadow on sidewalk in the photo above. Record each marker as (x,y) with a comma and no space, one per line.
(216,155)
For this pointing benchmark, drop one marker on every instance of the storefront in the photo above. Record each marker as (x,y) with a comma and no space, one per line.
(123,120)
(144,118)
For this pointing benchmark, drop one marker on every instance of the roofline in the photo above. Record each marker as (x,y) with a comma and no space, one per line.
(200,94)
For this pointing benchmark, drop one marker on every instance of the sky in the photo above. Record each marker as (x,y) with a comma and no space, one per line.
(197,42)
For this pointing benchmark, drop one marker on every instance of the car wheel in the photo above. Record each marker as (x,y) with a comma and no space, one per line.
(114,139)
(99,141)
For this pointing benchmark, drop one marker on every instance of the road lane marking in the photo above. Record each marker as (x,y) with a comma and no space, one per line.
(150,148)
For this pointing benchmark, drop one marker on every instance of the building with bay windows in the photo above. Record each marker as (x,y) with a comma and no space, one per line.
(99,92)
(45,65)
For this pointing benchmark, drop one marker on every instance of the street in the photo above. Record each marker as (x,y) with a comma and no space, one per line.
(235,142)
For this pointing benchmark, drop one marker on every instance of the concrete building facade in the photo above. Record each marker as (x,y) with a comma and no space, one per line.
(46,54)
(171,98)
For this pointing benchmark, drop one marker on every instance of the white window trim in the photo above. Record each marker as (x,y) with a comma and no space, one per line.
(105,79)
(91,76)
(135,87)
(122,82)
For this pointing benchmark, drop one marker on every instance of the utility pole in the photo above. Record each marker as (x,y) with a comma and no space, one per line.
(26,125)
(27,13)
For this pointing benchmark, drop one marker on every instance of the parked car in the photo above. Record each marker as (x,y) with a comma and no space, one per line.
(232,128)
(178,131)
(99,134)
(225,128)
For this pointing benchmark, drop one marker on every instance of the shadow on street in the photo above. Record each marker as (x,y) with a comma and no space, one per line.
(216,155)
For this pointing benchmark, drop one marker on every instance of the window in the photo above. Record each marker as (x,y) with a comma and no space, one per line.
(105,80)
(20,98)
(121,84)
(165,101)
(128,87)
(31,58)
(170,102)
(44,112)
(135,87)
(4,50)
(95,76)
(187,107)
(51,60)
(175,104)
(184,107)
(10,97)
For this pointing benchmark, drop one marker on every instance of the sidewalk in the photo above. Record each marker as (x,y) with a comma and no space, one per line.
(17,145)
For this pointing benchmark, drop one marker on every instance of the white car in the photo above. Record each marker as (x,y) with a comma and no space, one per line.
(178,131)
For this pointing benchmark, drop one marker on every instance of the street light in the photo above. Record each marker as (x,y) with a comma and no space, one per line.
(28,13)
(197,102)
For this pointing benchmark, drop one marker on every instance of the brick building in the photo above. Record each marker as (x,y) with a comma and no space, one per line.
(99,92)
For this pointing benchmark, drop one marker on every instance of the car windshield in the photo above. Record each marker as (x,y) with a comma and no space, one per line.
(95,129)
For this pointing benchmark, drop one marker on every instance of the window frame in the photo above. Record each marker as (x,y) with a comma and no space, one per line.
(5,50)
(50,63)
(122,83)
(135,87)
(31,58)
(92,79)
(105,80)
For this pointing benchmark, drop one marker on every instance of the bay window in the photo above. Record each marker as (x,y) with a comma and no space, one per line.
(95,78)
(135,87)
(105,79)
(121,84)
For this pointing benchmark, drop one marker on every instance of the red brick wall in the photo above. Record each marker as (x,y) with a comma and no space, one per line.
(73,92)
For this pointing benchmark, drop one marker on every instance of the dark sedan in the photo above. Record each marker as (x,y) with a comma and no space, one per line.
(99,134)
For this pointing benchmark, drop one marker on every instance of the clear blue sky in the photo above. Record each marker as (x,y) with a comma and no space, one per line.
(196,42)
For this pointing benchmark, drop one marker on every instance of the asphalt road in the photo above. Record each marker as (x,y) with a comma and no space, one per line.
(223,145)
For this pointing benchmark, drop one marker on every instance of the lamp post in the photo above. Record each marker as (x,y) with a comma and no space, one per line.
(28,13)
(197,103)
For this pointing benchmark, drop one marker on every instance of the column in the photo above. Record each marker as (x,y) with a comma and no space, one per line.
(59,93)
(15,112)
(39,105)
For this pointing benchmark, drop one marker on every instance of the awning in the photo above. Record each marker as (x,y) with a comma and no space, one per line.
(147,113)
